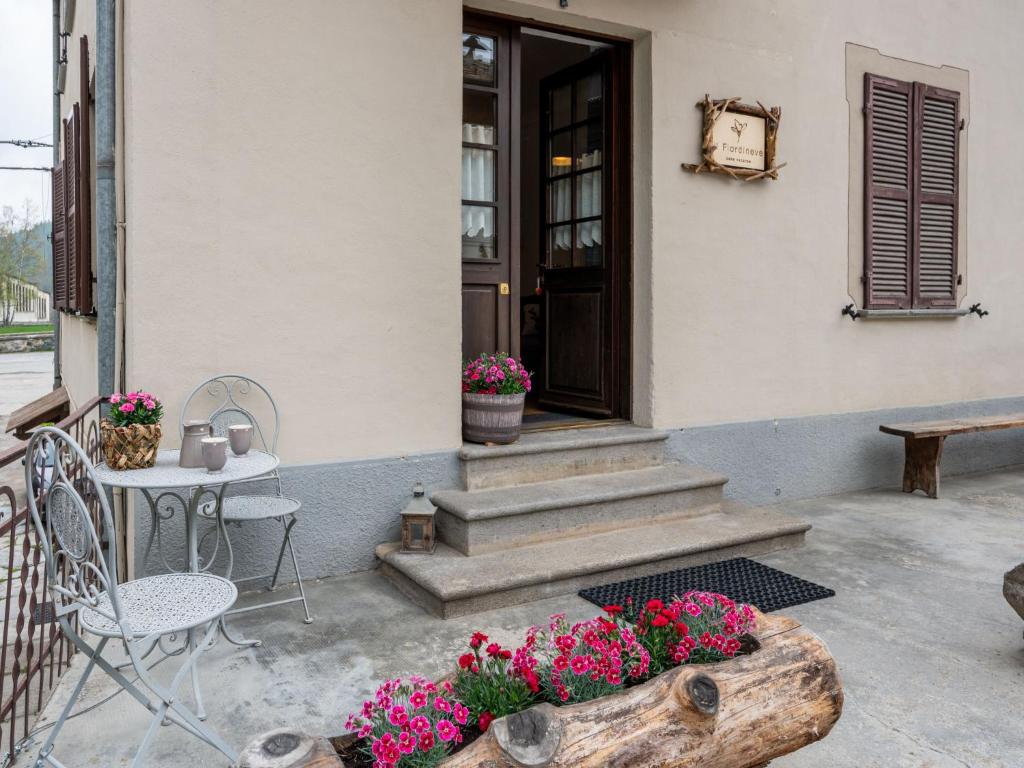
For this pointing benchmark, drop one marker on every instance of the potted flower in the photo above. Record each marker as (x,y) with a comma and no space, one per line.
(131,431)
(494,388)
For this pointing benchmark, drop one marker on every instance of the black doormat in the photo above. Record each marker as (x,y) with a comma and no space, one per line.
(740,579)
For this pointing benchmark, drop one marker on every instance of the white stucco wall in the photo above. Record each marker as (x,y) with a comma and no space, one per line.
(282,154)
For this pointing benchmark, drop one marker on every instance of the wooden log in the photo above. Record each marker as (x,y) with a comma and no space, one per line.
(289,748)
(741,713)
(1013,589)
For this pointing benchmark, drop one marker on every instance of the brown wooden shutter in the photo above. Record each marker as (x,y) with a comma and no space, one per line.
(936,193)
(888,183)
(59,243)
(71,206)
(84,182)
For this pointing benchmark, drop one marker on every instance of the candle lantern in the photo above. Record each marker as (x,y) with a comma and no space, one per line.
(418,523)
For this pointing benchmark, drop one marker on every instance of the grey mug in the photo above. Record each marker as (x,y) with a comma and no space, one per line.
(215,453)
(240,436)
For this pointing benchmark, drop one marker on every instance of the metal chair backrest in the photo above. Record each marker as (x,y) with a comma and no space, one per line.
(232,398)
(63,496)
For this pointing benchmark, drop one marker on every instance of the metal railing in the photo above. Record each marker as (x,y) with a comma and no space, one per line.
(35,652)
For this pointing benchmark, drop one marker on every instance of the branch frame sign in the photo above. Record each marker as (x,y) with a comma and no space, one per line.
(739,139)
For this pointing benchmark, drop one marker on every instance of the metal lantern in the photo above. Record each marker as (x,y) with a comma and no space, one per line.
(418,522)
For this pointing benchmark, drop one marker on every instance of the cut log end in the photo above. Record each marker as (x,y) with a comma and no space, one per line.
(531,737)
(288,748)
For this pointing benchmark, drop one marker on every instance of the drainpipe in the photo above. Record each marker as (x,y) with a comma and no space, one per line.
(56,162)
(106,202)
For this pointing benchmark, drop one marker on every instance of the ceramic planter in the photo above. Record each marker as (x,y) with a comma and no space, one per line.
(492,418)
(133,446)
(785,694)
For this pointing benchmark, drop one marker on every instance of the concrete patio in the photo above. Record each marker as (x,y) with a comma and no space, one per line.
(931,655)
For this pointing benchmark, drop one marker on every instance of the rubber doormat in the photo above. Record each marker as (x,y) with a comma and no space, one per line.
(743,580)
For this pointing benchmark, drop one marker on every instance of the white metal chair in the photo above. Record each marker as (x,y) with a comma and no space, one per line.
(81,579)
(230,399)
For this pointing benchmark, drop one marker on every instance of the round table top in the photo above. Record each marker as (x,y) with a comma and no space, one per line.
(167,474)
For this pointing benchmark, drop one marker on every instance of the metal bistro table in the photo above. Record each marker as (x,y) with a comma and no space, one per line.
(193,488)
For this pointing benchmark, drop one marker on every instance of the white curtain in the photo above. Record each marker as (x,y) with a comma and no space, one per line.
(477,180)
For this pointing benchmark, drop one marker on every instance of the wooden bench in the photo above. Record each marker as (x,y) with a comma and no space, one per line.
(923,445)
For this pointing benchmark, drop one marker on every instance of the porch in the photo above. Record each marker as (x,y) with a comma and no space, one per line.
(931,655)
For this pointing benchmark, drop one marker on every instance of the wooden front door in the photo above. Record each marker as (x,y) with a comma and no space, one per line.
(584,286)
(490,152)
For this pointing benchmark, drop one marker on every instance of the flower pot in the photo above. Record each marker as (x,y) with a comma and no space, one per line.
(492,418)
(741,713)
(133,446)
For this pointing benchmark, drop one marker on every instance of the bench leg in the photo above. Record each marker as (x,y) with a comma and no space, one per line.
(921,466)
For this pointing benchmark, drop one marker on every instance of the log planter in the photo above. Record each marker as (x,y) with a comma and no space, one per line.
(741,713)
(1013,589)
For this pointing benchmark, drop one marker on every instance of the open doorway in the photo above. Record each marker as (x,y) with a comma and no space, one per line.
(546,214)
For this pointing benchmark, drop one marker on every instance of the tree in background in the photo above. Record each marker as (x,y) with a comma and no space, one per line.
(20,256)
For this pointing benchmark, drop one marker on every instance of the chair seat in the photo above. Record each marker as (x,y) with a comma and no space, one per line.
(162,604)
(253,508)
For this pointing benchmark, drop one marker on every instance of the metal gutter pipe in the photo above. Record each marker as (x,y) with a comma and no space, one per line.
(106,196)
(56,162)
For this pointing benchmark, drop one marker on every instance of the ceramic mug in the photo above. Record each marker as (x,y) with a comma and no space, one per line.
(240,437)
(215,453)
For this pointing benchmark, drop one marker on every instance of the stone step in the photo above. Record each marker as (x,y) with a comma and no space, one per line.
(474,522)
(450,584)
(543,456)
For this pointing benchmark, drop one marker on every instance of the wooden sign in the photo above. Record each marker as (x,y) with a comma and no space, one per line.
(739,139)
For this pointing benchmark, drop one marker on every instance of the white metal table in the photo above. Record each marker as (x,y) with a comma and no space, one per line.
(189,487)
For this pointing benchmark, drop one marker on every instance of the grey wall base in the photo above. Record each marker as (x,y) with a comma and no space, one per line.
(350,507)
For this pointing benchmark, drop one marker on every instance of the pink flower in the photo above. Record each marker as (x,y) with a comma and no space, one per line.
(419,724)
(460,713)
(398,716)
(693,609)
(365,731)
(446,730)
(150,404)
(441,705)
(126,408)
(116,398)
(418,699)
(580,664)
(406,743)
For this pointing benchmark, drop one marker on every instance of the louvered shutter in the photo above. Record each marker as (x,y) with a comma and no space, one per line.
(84,182)
(888,184)
(58,242)
(936,190)
(70,207)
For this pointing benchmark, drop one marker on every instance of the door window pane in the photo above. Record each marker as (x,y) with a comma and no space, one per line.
(559,200)
(478,240)
(589,250)
(589,97)
(588,195)
(560,154)
(478,166)
(479,110)
(478,59)
(560,247)
(589,145)
(561,107)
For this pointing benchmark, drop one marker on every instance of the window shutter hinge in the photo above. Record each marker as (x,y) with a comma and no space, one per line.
(963,123)
(863,279)
(960,279)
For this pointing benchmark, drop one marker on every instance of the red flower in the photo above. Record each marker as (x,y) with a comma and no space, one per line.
(505,654)
(484,721)
(466,660)
(478,639)
(493,649)
(561,663)
(655,605)
(659,621)
(426,741)
(613,610)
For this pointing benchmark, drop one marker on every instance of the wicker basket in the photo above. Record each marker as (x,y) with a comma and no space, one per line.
(131,447)
(492,418)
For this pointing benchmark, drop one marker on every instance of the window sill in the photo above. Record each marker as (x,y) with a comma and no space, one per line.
(910,314)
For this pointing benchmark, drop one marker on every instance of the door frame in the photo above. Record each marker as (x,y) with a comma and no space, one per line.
(620,209)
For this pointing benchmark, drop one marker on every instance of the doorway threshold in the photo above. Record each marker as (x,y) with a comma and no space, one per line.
(543,421)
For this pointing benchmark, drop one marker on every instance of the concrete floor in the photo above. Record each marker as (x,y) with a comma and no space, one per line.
(931,656)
